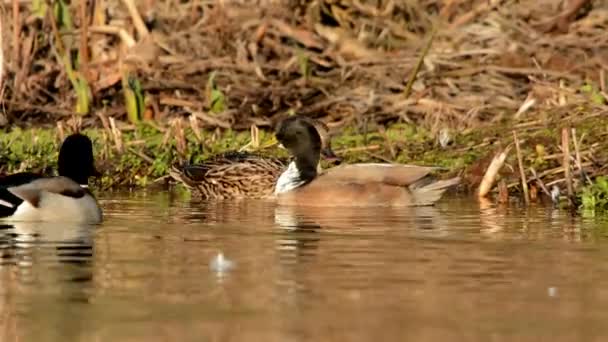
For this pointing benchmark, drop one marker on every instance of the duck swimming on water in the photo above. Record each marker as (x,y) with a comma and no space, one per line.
(28,196)
(372,184)
(244,174)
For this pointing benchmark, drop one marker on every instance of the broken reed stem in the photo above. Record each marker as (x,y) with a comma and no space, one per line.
(522,173)
(566,164)
(540,182)
(137,21)
(579,162)
(425,51)
(116,134)
(490,176)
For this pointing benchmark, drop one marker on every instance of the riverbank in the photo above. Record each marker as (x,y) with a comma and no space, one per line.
(133,156)
(430,83)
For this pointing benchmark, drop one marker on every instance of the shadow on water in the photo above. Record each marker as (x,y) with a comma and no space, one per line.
(160,268)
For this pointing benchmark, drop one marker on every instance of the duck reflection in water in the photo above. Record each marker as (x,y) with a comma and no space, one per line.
(72,243)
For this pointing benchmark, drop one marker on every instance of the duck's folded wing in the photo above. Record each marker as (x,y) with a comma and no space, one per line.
(32,191)
(9,201)
(390,174)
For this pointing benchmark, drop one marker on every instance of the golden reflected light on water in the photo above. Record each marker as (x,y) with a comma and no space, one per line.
(165,269)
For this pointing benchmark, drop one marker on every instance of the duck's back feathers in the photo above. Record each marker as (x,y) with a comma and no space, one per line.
(232,175)
(390,174)
(332,192)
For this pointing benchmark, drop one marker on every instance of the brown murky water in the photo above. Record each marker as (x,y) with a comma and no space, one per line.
(455,272)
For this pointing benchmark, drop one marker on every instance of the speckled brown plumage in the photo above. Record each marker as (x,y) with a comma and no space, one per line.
(241,174)
(232,175)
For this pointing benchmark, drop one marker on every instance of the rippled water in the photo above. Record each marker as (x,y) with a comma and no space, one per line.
(460,271)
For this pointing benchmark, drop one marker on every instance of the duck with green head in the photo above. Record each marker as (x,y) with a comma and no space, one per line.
(28,196)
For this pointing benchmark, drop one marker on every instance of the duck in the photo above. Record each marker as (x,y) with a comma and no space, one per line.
(29,196)
(363,184)
(239,174)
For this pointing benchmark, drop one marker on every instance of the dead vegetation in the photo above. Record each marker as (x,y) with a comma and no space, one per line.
(525,65)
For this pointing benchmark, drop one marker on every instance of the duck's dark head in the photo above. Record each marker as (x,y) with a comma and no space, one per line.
(301,139)
(76,159)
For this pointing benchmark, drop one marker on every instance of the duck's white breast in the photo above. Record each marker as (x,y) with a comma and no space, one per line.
(289,180)
(56,207)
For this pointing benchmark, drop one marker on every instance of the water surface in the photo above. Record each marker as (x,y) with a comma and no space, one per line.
(459,271)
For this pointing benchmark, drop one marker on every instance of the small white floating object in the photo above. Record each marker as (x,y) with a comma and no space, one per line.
(220,263)
(552,291)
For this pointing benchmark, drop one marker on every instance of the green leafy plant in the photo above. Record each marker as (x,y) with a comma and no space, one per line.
(304,65)
(595,196)
(216,98)
(595,96)
(134,97)
(62,21)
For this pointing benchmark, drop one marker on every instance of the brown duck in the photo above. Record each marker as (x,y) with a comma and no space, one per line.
(235,174)
(347,185)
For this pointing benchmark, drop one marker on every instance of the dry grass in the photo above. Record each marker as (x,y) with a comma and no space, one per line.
(532,64)
(489,61)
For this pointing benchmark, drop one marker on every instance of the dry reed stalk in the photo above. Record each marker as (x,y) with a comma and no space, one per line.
(358,149)
(138,22)
(195,128)
(117,135)
(60,131)
(141,155)
(522,173)
(503,192)
(566,164)
(83,48)
(490,176)
(540,182)
(180,137)
(16,33)
(75,123)
(553,171)
(425,51)
(104,122)
(255,136)
(475,83)
(578,160)
(124,36)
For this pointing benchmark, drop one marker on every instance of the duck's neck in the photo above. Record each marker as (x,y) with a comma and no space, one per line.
(77,177)
(299,173)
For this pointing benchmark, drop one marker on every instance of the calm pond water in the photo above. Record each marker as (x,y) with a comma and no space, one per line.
(459,271)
